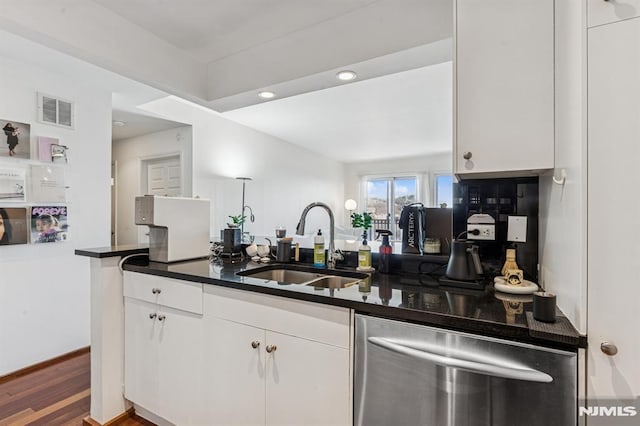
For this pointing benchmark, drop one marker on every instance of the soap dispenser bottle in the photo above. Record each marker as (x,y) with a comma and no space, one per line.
(318,250)
(385,251)
(364,256)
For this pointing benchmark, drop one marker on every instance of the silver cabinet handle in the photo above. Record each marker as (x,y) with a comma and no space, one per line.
(467,155)
(271,348)
(255,344)
(161,317)
(608,348)
(156,291)
(152,315)
(486,367)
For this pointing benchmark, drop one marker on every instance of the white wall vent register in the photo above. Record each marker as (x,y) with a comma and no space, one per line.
(52,110)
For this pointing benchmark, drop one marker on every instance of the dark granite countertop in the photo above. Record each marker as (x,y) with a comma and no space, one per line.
(113,251)
(413,298)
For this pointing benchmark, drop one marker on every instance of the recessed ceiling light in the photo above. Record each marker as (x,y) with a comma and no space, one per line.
(346,75)
(118,123)
(266,94)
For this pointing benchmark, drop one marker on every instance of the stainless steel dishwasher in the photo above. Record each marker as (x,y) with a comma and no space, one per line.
(407,374)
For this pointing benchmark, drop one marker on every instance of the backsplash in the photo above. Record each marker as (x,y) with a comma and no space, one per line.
(500,198)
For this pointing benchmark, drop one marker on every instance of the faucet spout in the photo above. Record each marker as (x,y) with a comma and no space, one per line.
(333,256)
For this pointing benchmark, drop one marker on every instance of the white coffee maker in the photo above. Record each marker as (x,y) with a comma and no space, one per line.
(178,227)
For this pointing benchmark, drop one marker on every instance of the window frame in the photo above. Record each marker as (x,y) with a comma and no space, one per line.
(419,178)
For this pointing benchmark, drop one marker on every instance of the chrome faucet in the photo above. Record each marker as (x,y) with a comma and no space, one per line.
(333,255)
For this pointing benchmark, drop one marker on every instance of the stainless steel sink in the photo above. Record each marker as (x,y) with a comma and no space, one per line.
(290,274)
(283,276)
(333,282)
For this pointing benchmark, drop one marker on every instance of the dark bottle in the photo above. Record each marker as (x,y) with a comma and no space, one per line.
(384,258)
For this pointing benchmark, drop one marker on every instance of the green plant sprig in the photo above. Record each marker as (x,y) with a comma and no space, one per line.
(361,220)
(238,220)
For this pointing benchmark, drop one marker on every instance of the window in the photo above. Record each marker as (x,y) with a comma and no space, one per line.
(443,190)
(385,197)
(55,111)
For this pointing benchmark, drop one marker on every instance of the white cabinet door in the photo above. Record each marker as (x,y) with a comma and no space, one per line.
(234,377)
(307,383)
(180,362)
(504,76)
(141,354)
(163,361)
(601,12)
(613,206)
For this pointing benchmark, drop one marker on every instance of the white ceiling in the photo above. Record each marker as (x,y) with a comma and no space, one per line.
(210,30)
(244,43)
(138,125)
(398,115)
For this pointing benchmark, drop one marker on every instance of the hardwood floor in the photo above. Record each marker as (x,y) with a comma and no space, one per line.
(57,394)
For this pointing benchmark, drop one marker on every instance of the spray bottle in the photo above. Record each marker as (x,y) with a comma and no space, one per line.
(385,251)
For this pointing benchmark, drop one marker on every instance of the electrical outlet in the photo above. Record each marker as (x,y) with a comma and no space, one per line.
(487,232)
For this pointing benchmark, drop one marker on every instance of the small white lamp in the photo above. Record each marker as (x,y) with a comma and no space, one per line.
(350,205)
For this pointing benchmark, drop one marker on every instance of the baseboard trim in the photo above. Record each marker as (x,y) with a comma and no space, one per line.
(43,364)
(88,421)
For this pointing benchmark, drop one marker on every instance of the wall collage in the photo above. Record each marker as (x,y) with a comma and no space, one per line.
(32,190)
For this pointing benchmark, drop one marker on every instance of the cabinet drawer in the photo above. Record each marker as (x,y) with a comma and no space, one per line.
(177,294)
(308,320)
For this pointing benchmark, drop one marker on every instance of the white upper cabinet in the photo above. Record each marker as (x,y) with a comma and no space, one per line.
(601,12)
(504,82)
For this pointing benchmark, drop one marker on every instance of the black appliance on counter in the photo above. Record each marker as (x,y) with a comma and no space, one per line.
(419,223)
(500,198)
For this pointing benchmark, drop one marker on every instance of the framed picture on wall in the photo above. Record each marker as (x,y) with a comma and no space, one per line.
(14,228)
(12,185)
(16,137)
(49,224)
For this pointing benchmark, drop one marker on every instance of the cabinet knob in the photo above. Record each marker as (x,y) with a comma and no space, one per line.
(467,155)
(161,317)
(156,291)
(608,348)
(255,344)
(152,316)
(271,348)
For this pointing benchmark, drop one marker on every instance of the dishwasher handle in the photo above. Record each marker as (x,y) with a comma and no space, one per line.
(486,368)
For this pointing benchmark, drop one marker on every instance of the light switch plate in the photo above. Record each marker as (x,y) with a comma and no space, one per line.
(517,229)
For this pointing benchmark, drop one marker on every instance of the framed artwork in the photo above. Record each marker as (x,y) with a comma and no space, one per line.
(44,148)
(47,184)
(16,139)
(12,185)
(14,228)
(49,224)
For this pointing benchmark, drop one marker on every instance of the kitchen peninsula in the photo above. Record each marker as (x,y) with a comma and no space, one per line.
(289,309)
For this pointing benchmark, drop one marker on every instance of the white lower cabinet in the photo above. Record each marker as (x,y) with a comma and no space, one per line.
(265,364)
(307,383)
(236,357)
(235,371)
(163,358)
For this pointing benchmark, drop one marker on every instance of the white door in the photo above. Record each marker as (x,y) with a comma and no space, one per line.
(161,176)
(614,203)
(164,177)
(234,375)
(307,382)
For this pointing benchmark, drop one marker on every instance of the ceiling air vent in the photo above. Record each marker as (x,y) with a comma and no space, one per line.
(56,111)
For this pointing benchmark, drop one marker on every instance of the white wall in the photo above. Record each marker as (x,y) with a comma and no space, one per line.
(424,166)
(285,177)
(563,220)
(44,289)
(129,155)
